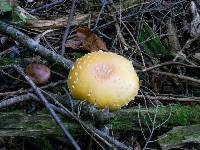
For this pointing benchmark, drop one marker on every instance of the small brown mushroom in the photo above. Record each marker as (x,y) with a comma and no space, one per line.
(104,79)
(39,73)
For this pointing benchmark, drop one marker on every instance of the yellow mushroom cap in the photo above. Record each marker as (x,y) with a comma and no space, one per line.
(104,79)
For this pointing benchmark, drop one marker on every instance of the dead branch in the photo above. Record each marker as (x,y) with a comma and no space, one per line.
(166,64)
(15,100)
(170,98)
(93,131)
(187,45)
(177,76)
(47,6)
(69,22)
(33,45)
(21,91)
(48,106)
(127,119)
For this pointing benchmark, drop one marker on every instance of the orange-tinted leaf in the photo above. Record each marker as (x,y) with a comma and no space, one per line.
(84,31)
(93,43)
(74,43)
(85,39)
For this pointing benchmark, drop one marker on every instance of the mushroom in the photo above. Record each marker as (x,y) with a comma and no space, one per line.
(39,73)
(104,79)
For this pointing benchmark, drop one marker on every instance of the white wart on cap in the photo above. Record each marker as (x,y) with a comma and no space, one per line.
(104,79)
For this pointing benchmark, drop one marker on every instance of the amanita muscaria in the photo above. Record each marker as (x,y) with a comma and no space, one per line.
(104,79)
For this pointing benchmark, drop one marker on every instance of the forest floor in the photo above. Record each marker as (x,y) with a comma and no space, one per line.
(160,37)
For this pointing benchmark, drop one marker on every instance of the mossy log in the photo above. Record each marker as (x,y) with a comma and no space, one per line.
(179,136)
(165,117)
(18,123)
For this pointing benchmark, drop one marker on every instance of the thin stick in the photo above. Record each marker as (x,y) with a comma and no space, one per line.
(48,106)
(15,100)
(33,45)
(177,76)
(187,45)
(118,28)
(170,98)
(47,6)
(166,64)
(100,135)
(69,22)
(99,15)
(21,91)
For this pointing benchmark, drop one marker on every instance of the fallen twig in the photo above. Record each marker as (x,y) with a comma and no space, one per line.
(48,106)
(100,135)
(187,45)
(16,100)
(21,91)
(177,76)
(69,22)
(166,64)
(170,98)
(118,28)
(47,6)
(33,45)
(93,131)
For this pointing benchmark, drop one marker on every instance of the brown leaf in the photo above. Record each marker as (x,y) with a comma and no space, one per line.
(56,23)
(74,43)
(83,32)
(84,38)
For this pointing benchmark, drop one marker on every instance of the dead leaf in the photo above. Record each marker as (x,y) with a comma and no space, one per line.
(85,39)
(74,43)
(56,23)
(83,32)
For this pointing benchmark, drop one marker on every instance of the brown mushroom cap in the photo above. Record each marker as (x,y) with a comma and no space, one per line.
(104,79)
(39,73)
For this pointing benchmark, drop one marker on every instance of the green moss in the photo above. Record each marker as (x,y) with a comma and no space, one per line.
(176,115)
(181,115)
(123,120)
(8,61)
(40,122)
